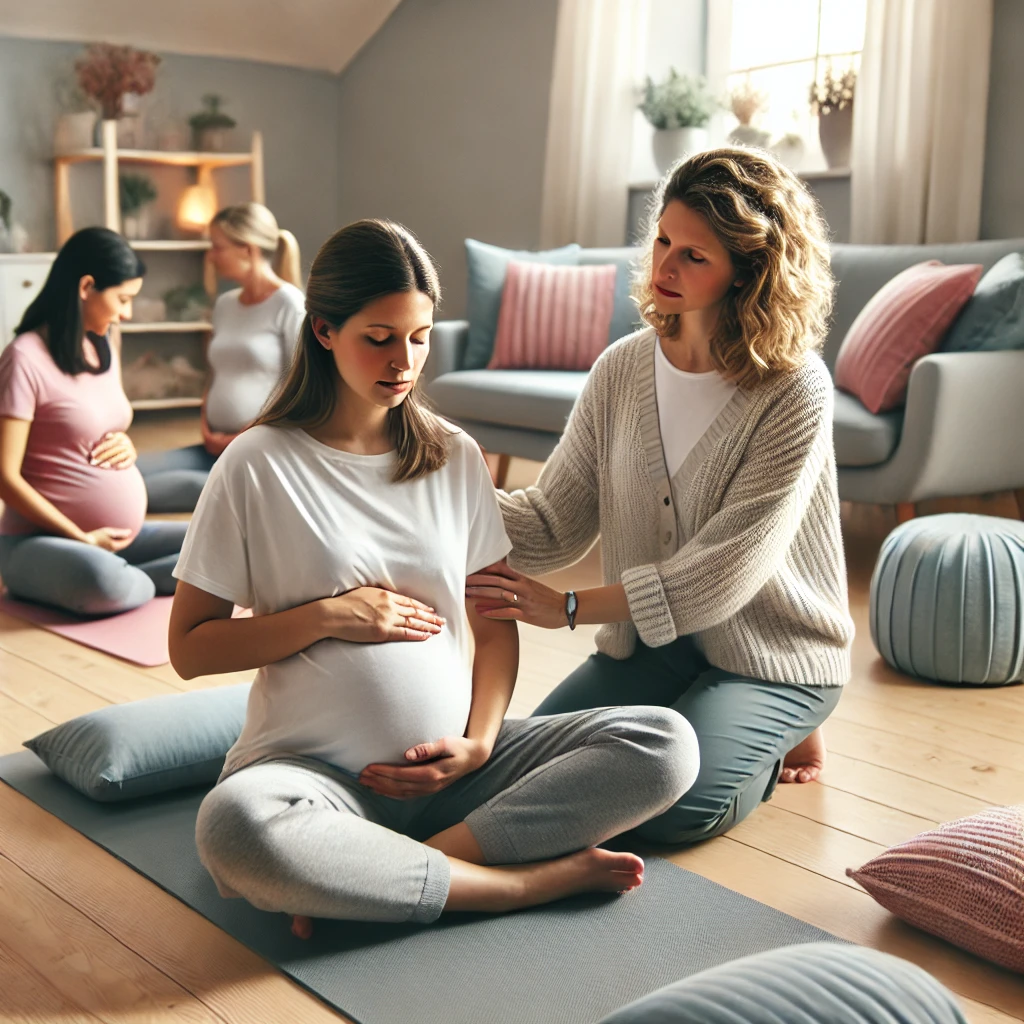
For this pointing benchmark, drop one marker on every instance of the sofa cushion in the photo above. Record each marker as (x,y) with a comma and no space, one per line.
(553,318)
(863,438)
(993,319)
(625,318)
(902,322)
(486,265)
(532,399)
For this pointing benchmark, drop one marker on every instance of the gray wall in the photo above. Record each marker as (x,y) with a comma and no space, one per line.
(1002,203)
(296,111)
(443,123)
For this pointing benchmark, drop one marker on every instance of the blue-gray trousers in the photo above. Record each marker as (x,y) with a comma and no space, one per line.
(745,727)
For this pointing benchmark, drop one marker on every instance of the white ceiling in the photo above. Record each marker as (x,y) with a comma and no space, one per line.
(318,34)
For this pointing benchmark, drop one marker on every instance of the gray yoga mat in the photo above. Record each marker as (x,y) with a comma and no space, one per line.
(566,963)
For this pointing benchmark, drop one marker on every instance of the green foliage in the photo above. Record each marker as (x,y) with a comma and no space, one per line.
(136,191)
(680,101)
(211,116)
(5,209)
(187,302)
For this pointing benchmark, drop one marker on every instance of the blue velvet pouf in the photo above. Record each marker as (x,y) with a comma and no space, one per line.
(947,599)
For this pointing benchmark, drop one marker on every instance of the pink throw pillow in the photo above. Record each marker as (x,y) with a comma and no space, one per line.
(552,317)
(963,881)
(904,320)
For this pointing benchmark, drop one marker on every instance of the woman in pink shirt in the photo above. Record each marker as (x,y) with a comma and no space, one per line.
(73,532)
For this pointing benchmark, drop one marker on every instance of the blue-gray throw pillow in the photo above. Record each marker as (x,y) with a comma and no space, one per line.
(146,746)
(625,317)
(993,318)
(486,265)
(814,983)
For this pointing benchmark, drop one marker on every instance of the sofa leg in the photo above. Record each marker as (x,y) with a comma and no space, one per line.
(501,474)
(905,511)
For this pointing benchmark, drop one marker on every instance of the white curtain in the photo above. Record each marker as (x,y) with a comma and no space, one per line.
(598,57)
(919,121)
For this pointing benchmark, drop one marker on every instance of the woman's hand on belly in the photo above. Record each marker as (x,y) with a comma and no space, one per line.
(114,451)
(372,615)
(109,538)
(432,767)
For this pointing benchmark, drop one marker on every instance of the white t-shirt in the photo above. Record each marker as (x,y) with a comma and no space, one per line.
(688,403)
(249,352)
(284,520)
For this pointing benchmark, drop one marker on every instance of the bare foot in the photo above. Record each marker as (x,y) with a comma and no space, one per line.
(302,927)
(805,761)
(499,889)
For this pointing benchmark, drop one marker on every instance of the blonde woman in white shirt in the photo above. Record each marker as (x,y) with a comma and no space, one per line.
(375,777)
(255,329)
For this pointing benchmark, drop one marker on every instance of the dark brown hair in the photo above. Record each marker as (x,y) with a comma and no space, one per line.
(357,265)
(775,235)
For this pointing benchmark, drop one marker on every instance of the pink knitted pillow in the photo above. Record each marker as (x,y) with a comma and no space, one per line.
(963,881)
(553,317)
(904,320)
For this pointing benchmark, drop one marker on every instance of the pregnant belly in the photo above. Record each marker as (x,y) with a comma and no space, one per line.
(93,497)
(358,704)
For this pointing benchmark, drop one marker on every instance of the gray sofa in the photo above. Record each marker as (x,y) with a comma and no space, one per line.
(959,434)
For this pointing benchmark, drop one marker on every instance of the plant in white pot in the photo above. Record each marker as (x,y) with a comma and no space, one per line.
(678,108)
(832,102)
(108,74)
(76,122)
(137,192)
(211,126)
(746,102)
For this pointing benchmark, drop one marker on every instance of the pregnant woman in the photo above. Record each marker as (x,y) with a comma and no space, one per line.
(73,533)
(255,328)
(375,777)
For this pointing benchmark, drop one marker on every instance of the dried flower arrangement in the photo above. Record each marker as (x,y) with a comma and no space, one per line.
(746,102)
(834,92)
(107,73)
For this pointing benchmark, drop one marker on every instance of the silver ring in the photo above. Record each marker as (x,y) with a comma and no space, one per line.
(515,596)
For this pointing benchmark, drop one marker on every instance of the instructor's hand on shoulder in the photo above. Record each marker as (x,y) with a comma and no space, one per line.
(372,615)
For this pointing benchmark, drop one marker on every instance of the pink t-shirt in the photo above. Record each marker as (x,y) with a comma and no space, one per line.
(69,414)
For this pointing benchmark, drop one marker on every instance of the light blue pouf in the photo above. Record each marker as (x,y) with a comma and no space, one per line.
(815,983)
(947,599)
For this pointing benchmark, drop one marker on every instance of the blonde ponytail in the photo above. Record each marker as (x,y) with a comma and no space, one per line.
(254,224)
(287,263)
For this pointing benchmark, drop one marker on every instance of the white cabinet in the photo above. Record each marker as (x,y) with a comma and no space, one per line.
(21,278)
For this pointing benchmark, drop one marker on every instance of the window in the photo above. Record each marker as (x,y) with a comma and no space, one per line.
(778,48)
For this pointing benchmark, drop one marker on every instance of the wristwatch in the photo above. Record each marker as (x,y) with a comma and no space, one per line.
(571,605)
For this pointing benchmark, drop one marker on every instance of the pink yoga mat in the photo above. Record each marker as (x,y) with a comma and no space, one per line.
(139,635)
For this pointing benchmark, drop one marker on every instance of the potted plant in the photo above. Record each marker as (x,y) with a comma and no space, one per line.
(832,102)
(678,108)
(76,121)
(108,73)
(746,102)
(137,192)
(211,125)
(13,237)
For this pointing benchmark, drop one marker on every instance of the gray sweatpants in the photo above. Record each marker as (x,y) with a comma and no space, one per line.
(299,836)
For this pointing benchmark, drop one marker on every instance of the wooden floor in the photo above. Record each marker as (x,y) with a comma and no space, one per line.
(83,938)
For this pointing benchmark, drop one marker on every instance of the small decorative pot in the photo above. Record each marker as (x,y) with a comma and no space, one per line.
(670,145)
(835,130)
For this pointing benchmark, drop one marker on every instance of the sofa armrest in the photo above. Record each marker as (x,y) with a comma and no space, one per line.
(448,339)
(961,432)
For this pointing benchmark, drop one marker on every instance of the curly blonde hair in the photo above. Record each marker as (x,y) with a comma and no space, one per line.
(777,239)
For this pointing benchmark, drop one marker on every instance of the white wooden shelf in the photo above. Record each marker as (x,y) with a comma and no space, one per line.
(150,404)
(166,327)
(172,245)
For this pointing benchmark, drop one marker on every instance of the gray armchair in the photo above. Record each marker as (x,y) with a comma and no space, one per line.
(959,434)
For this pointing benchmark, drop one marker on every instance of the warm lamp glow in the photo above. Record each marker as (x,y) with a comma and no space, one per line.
(196,209)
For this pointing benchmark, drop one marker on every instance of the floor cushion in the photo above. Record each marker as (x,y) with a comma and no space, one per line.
(947,599)
(963,881)
(146,746)
(814,983)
